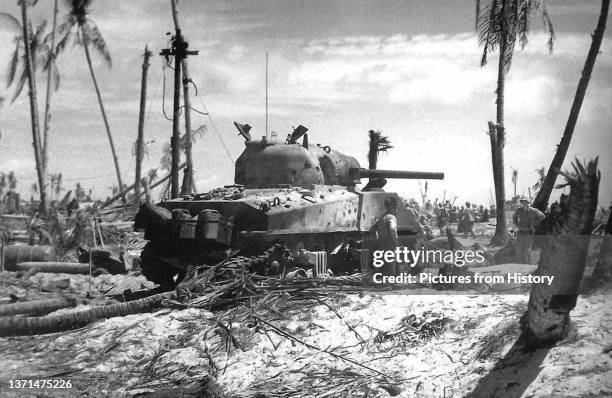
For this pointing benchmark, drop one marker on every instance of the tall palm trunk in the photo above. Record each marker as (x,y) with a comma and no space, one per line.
(108,132)
(541,200)
(45,143)
(498,140)
(564,257)
(34,109)
(143,102)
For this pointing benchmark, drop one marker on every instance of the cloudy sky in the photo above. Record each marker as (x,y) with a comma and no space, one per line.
(340,68)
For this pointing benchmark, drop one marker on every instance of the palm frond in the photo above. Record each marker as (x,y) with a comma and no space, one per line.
(489,26)
(8,19)
(40,29)
(93,36)
(10,77)
(55,75)
(20,84)
(506,22)
(65,30)
(46,60)
(68,24)
(523,18)
(549,27)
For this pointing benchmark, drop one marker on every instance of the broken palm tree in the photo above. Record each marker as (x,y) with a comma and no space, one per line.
(36,306)
(563,256)
(56,323)
(378,144)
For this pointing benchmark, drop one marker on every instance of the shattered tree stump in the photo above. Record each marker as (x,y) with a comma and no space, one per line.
(564,257)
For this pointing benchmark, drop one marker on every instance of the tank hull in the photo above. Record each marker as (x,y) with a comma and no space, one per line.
(322,219)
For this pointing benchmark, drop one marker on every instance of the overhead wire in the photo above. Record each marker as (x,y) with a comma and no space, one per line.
(214,126)
(166,63)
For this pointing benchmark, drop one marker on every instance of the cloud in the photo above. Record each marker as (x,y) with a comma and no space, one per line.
(17,165)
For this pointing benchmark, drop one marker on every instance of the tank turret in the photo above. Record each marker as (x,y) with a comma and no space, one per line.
(270,163)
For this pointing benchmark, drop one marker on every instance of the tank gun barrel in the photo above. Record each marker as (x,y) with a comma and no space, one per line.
(411,175)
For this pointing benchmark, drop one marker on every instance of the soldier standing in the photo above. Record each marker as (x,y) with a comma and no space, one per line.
(469,218)
(386,231)
(526,218)
(442,218)
(38,236)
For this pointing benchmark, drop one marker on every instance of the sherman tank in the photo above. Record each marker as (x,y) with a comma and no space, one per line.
(292,204)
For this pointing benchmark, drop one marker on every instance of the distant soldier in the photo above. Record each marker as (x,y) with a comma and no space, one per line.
(386,233)
(485,215)
(469,218)
(442,218)
(38,236)
(461,220)
(526,218)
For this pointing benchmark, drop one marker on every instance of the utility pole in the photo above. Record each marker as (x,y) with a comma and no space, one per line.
(141,118)
(266,95)
(179,51)
(187,186)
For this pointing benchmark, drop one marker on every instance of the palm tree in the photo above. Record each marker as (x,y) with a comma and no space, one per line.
(514,181)
(541,201)
(501,24)
(51,68)
(378,143)
(16,72)
(28,55)
(564,257)
(77,22)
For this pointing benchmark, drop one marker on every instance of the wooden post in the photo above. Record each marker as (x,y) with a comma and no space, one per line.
(187,186)
(176,134)
(180,53)
(141,117)
(93,231)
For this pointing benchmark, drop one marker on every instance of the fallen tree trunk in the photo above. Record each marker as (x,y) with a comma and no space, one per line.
(37,306)
(59,323)
(55,267)
(563,257)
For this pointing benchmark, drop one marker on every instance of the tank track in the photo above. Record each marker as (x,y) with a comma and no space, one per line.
(163,270)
